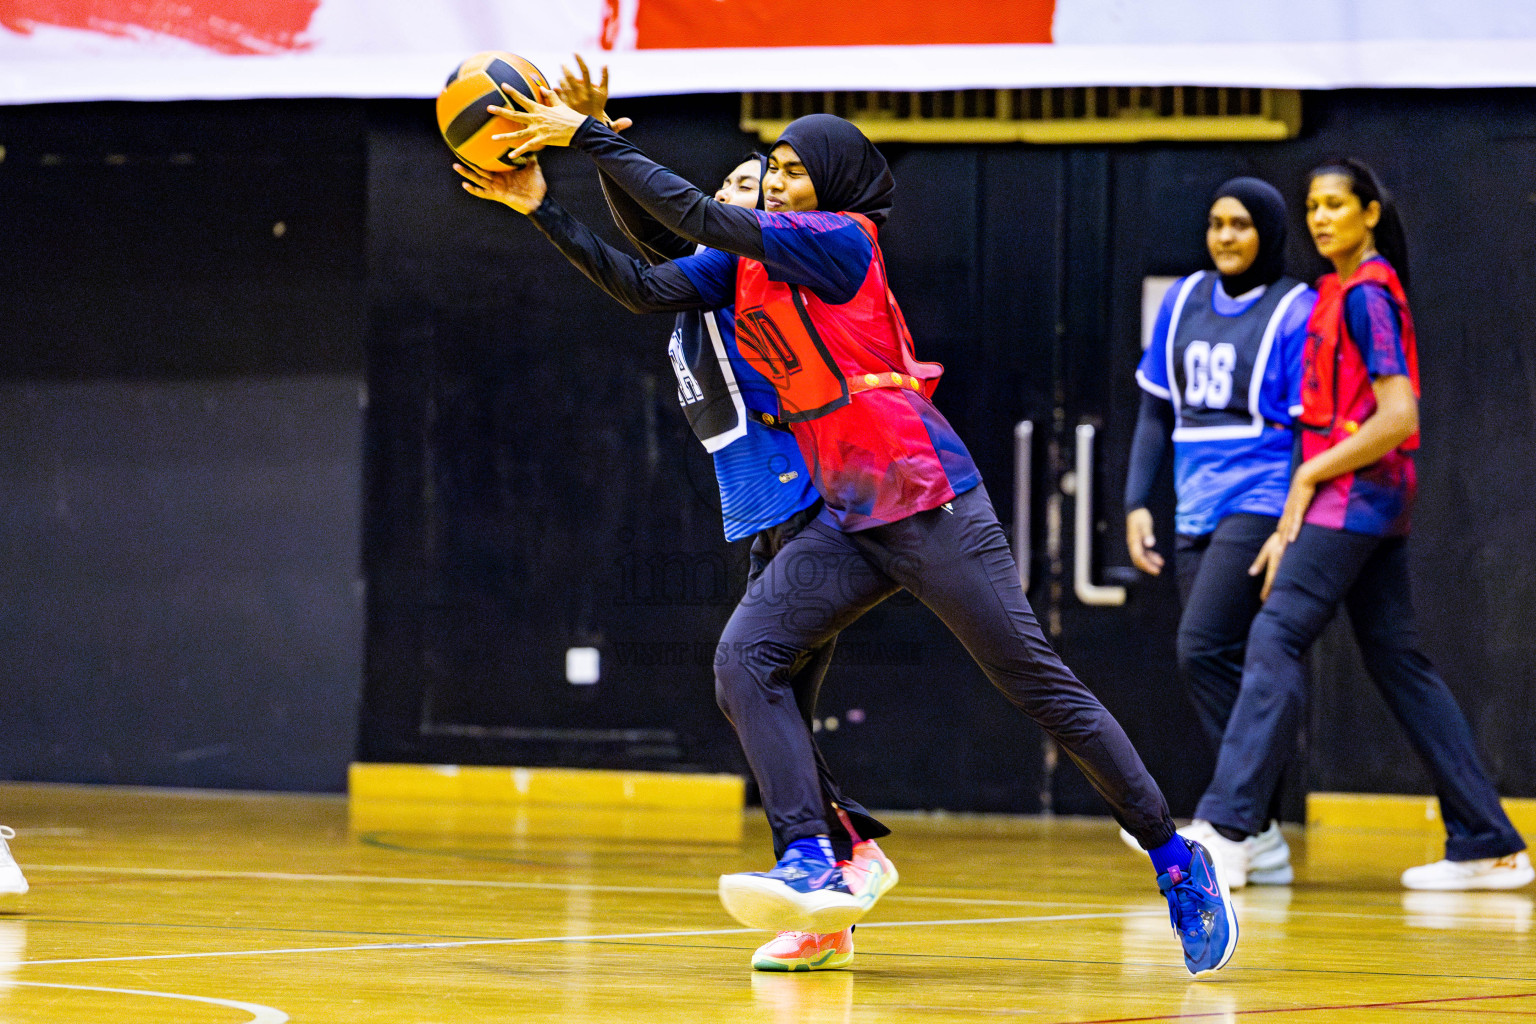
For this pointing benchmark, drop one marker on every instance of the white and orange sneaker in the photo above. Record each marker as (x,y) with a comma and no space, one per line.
(870,874)
(805,951)
(1512,871)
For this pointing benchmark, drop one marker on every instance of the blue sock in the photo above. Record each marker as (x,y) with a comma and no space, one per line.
(818,848)
(1174,853)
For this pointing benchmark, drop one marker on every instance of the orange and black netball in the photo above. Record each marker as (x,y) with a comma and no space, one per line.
(474,85)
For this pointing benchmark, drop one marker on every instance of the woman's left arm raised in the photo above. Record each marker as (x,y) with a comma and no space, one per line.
(670,198)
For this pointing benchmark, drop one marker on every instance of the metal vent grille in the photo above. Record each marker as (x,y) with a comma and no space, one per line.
(1080,115)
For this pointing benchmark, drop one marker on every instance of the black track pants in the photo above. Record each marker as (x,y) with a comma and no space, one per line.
(956,560)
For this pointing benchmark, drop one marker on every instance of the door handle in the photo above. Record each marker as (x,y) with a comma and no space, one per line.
(1087,591)
(1023,446)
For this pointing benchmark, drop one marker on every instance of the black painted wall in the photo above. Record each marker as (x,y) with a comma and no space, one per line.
(198,298)
(181,379)
(533,487)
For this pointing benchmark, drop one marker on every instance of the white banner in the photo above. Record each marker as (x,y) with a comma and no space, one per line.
(57,50)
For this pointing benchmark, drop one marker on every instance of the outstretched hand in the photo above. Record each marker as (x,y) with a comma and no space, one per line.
(546,121)
(522,189)
(585,97)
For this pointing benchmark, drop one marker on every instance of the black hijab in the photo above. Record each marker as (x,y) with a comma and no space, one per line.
(847,171)
(1267,208)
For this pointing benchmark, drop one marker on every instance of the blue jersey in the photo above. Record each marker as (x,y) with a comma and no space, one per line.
(760,472)
(1232,369)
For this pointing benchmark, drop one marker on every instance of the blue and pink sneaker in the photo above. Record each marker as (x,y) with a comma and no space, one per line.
(804,892)
(1201,909)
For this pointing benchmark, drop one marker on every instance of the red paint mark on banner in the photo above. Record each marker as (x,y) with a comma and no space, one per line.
(691,24)
(225,26)
(611,24)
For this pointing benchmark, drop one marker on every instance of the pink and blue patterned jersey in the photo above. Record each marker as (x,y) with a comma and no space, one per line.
(1360,330)
(823,322)
(1231,367)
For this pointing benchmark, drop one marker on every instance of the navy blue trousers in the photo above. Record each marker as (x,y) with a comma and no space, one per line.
(957,562)
(1369,576)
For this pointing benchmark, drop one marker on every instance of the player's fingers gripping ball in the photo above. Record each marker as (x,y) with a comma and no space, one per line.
(474,85)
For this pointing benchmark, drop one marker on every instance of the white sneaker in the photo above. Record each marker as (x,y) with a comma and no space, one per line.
(1269,857)
(12,882)
(1508,872)
(1231,858)
(1264,859)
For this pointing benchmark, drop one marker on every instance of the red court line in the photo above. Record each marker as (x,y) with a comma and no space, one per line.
(1401,1004)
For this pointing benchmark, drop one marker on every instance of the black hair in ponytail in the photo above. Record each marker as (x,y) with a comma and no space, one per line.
(1388,233)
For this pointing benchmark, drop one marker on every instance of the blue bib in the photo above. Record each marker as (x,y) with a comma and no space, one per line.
(1228,457)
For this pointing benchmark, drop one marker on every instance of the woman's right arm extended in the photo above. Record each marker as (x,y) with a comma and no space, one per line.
(672,200)
(654,242)
(647,234)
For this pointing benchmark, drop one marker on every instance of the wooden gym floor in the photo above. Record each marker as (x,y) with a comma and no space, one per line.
(207,908)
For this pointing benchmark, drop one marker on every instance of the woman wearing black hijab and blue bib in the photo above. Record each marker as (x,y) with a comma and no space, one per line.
(904,504)
(1222,378)
(765,488)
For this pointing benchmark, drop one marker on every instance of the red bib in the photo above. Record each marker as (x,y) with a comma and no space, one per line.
(808,348)
(1336,393)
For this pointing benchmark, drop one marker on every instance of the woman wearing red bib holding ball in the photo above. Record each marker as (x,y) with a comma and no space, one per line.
(905,507)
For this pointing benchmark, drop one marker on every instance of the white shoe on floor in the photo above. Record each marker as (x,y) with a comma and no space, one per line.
(1508,872)
(12,881)
(1231,858)
(1264,859)
(1269,857)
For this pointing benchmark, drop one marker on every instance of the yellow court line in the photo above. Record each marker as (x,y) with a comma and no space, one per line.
(287,876)
(426,784)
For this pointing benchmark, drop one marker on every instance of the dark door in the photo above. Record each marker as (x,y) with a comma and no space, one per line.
(1112,626)
(1024,288)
